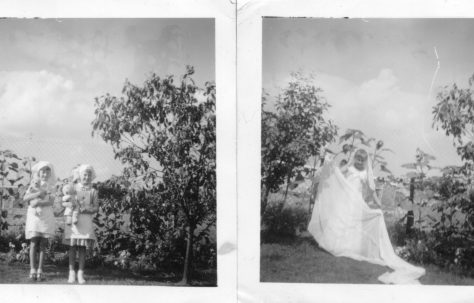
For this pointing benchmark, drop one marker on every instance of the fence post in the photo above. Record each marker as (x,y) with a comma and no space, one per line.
(410,214)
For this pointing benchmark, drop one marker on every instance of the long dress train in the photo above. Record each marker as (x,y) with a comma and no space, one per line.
(344,225)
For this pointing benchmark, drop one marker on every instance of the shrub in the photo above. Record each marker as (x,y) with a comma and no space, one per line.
(165,137)
(151,238)
(441,246)
(283,222)
(7,237)
(295,130)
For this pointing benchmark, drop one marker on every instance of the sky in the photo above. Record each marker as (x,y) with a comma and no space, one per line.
(52,69)
(379,75)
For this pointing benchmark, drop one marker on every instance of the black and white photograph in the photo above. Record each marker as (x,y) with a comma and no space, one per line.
(108,151)
(367,132)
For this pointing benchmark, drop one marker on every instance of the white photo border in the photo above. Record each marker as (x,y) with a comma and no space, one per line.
(223,13)
(249,89)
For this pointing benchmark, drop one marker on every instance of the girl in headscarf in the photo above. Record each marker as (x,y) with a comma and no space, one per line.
(81,235)
(344,225)
(40,222)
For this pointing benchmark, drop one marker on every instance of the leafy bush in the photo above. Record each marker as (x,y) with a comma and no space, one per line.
(442,245)
(283,222)
(136,231)
(7,237)
(294,131)
(3,220)
(166,138)
(110,220)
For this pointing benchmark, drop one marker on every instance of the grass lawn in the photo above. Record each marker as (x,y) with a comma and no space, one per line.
(18,273)
(301,261)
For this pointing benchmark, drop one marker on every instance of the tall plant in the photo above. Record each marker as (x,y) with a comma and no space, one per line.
(165,135)
(454,113)
(293,131)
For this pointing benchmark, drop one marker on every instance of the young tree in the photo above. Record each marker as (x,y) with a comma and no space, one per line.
(293,132)
(165,135)
(454,113)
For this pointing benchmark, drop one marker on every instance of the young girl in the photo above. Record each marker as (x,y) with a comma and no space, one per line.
(81,235)
(359,174)
(343,224)
(40,222)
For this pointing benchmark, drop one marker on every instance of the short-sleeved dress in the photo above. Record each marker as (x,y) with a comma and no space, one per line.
(82,233)
(43,224)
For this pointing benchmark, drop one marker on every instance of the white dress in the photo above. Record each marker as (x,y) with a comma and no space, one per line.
(40,224)
(344,225)
(82,233)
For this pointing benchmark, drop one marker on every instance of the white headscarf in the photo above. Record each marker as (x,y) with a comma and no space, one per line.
(79,170)
(40,165)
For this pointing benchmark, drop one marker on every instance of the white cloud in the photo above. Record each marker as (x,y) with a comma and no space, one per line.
(381,109)
(42,103)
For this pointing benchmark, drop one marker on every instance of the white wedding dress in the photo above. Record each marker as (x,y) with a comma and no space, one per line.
(344,225)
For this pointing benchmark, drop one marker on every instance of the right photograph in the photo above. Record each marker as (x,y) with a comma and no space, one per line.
(367,151)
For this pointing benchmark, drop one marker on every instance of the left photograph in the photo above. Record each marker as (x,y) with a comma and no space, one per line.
(108,152)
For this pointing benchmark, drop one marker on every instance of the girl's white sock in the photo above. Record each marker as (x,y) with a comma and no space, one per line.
(72,276)
(32,271)
(80,277)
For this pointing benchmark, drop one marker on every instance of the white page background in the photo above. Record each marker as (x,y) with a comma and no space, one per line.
(249,88)
(224,14)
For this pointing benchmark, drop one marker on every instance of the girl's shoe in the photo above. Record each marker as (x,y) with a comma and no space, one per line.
(72,276)
(80,277)
(32,277)
(40,276)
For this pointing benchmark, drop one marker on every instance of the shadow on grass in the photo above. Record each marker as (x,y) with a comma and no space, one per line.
(291,259)
(290,240)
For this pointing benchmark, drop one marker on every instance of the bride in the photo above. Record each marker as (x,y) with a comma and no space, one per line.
(344,225)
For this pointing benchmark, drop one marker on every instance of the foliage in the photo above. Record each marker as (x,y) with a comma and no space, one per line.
(421,165)
(449,241)
(443,249)
(8,236)
(135,228)
(280,222)
(11,168)
(293,132)
(166,138)
(21,256)
(456,224)
(110,218)
(454,113)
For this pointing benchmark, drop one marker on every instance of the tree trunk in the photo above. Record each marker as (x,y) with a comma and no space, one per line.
(188,256)
(288,179)
(265,200)
(410,214)
(1,194)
